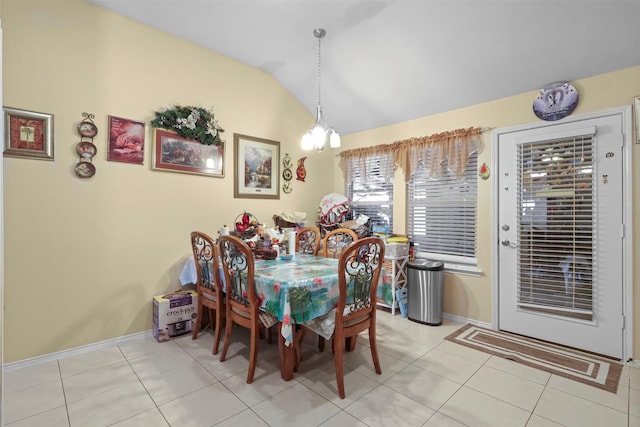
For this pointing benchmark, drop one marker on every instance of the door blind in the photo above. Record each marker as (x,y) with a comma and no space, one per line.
(371,192)
(442,214)
(555,226)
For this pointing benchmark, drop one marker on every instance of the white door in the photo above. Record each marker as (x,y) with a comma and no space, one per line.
(560,233)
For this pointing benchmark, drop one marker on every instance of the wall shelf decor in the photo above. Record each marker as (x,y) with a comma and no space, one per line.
(287,175)
(86,149)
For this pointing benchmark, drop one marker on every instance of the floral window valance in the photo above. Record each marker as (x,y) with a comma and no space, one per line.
(456,145)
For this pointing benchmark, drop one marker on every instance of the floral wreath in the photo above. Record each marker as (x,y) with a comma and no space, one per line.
(190,122)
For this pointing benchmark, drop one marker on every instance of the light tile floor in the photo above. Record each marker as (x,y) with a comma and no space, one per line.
(425,381)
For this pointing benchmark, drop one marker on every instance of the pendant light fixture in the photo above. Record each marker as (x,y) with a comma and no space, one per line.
(318,136)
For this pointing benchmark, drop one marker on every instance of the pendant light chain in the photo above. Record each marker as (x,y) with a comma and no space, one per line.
(319,35)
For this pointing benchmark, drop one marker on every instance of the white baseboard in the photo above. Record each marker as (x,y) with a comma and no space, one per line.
(461,319)
(77,350)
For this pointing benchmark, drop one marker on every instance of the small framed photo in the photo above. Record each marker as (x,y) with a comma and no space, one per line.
(174,153)
(28,134)
(126,141)
(636,111)
(256,163)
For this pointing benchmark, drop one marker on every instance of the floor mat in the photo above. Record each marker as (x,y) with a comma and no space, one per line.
(580,366)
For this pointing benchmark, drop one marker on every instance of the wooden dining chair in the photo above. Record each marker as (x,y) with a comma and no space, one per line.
(336,240)
(308,240)
(359,270)
(208,284)
(242,302)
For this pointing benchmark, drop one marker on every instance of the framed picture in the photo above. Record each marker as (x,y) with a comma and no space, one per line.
(636,110)
(126,141)
(174,153)
(256,162)
(28,134)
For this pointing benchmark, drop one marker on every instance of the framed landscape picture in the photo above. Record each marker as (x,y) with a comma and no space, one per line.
(28,134)
(174,153)
(256,167)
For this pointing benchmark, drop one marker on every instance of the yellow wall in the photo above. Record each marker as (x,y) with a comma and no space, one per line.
(83,258)
(471,297)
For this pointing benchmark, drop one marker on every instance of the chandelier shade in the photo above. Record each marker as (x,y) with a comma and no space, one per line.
(321,134)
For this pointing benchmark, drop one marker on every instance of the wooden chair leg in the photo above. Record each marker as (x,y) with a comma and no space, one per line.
(351,343)
(298,337)
(269,335)
(338,349)
(320,344)
(227,339)
(374,351)
(196,329)
(217,330)
(253,352)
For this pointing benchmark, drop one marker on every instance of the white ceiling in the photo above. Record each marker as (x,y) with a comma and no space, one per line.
(387,61)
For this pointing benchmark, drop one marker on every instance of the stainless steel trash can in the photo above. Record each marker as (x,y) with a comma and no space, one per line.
(424,291)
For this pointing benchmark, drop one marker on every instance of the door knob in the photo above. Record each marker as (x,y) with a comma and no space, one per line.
(506,242)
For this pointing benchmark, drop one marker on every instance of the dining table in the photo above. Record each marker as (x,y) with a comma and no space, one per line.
(296,290)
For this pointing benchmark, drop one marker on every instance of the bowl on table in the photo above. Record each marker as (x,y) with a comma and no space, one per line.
(286,257)
(269,254)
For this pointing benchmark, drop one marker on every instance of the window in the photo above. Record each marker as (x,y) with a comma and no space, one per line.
(441,215)
(370,192)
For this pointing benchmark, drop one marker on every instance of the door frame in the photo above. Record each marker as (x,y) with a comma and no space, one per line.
(627,215)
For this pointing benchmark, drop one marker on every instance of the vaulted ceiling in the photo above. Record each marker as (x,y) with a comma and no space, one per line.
(387,61)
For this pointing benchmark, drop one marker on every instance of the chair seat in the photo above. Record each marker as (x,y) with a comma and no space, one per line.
(323,325)
(267,319)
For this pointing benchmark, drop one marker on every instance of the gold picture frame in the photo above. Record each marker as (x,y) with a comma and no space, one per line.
(636,111)
(256,167)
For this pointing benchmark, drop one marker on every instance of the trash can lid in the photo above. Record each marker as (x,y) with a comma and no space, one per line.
(425,264)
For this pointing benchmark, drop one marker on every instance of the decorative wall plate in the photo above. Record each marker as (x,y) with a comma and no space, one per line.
(286,162)
(287,174)
(86,150)
(85,169)
(87,129)
(556,101)
(301,172)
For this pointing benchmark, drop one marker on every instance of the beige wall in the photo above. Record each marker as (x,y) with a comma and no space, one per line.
(471,297)
(85,257)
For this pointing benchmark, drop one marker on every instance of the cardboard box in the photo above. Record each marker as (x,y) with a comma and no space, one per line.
(174,314)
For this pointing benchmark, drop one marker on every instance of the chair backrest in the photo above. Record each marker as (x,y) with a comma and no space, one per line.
(308,240)
(238,267)
(359,271)
(206,257)
(336,240)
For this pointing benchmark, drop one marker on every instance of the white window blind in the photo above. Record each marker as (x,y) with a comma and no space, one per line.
(555,229)
(370,192)
(441,214)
